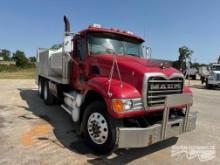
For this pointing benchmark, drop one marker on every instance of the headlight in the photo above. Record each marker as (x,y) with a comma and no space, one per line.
(125,105)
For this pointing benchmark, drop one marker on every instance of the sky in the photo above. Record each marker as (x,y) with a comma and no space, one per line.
(165,25)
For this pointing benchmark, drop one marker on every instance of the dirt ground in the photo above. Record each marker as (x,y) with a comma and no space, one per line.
(33,133)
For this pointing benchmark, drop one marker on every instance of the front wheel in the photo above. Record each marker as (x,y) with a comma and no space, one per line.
(208,86)
(99,128)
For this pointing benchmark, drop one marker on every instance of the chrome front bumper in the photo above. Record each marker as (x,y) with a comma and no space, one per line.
(142,137)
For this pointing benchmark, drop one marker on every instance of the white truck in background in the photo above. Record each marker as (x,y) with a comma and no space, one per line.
(213,79)
(191,73)
(204,73)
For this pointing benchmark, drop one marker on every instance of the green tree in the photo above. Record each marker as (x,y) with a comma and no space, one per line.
(20,58)
(32,59)
(196,65)
(5,54)
(184,54)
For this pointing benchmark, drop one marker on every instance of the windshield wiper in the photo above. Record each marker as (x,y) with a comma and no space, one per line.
(133,55)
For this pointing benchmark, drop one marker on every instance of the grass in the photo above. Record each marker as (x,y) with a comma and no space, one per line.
(27,73)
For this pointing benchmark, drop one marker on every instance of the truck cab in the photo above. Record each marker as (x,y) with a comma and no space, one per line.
(94,49)
(116,97)
(213,80)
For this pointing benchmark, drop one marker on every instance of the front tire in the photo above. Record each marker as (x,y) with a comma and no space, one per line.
(99,128)
(208,86)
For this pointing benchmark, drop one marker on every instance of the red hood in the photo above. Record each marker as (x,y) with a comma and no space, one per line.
(132,69)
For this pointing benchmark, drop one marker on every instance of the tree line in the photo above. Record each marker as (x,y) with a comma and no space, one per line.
(19,57)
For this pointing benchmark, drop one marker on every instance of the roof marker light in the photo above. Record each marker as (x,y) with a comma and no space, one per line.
(116,29)
(95,26)
(129,32)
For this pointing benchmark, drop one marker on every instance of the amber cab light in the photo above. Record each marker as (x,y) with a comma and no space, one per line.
(117,105)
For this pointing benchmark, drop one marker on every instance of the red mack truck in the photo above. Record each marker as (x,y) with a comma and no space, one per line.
(117,98)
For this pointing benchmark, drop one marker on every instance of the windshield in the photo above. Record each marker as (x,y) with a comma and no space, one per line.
(216,67)
(100,43)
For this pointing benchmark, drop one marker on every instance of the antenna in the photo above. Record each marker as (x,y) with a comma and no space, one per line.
(114,63)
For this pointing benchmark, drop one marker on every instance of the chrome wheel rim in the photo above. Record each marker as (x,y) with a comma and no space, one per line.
(97,128)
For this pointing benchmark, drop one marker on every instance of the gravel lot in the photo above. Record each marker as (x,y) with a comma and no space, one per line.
(33,133)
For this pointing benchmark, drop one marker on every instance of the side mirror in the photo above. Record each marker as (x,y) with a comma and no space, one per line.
(147,52)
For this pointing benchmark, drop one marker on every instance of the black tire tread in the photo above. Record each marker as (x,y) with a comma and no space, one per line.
(40,80)
(110,144)
(50,98)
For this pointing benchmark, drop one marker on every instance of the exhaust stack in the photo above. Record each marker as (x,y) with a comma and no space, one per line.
(67,49)
(67,24)
(67,36)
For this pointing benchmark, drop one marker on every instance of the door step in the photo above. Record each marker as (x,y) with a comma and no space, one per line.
(67,109)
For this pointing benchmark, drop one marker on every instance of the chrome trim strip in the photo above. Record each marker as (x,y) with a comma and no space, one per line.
(158,101)
(165,91)
(167,81)
(145,85)
(158,96)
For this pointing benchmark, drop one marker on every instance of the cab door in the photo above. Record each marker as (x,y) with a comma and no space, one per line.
(78,63)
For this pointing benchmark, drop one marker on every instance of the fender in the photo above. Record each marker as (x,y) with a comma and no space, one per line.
(101,84)
(187,89)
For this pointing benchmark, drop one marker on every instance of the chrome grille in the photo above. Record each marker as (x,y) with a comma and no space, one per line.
(158,88)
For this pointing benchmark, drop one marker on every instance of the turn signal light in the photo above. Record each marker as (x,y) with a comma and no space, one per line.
(126,105)
(118,106)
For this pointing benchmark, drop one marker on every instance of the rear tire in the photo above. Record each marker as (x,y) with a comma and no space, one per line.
(99,128)
(49,99)
(40,87)
(194,77)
